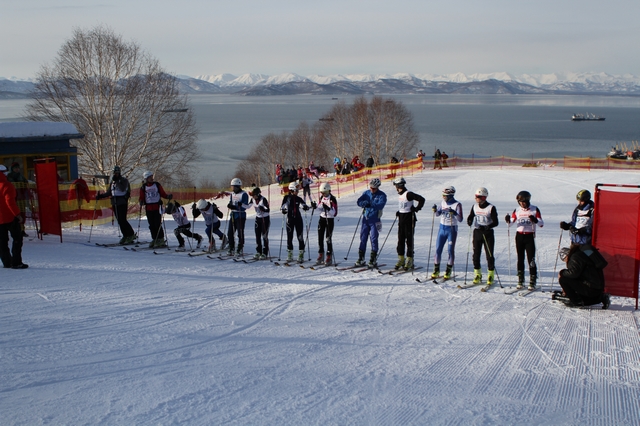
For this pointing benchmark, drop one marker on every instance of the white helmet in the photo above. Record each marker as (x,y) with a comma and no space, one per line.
(482,192)
(236,182)
(449,190)
(325,187)
(399,181)
(147,174)
(293,186)
(201,204)
(375,183)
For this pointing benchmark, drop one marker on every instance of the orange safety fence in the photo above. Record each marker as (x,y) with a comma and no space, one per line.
(79,207)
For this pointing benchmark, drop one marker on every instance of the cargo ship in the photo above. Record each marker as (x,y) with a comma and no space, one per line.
(586,117)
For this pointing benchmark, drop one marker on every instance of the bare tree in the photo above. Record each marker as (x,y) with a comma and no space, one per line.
(126,105)
(380,127)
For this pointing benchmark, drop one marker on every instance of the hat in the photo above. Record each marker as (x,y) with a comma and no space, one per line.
(116,169)
(2,168)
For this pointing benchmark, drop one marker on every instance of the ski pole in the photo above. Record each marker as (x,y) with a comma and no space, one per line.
(309,227)
(509,250)
(385,239)
(164,227)
(224,233)
(486,247)
(95,207)
(433,221)
(281,235)
(553,277)
(33,213)
(466,268)
(354,235)
(139,219)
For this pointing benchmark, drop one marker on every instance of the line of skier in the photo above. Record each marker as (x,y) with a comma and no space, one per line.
(482,219)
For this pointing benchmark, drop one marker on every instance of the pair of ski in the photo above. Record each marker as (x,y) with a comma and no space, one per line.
(524,291)
(228,256)
(202,252)
(315,265)
(361,268)
(250,260)
(437,280)
(483,288)
(398,271)
(123,245)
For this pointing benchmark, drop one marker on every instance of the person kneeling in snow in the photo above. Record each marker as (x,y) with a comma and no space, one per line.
(180,216)
(582,281)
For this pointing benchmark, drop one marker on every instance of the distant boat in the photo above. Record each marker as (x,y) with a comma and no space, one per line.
(586,117)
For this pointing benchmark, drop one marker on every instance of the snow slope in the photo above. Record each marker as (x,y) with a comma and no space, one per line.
(92,335)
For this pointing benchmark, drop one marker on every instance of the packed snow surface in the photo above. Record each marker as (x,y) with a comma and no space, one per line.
(93,335)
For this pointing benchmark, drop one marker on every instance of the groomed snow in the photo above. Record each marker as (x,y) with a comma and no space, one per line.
(92,335)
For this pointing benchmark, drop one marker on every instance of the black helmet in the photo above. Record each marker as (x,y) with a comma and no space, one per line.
(523,196)
(255,191)
(583,195)
(170,208)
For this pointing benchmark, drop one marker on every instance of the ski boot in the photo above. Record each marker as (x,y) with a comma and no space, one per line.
(301,256)
(491,276)
(436,271)
(122,241)
(257,256)
(477,276)
(198,240)
(181,248)
(360,261)
(329,260)
(289,256)
(400,263)
(263,256)
(532,282)
(373,260)
(160,243)
(320,258)
(447,273)
(231,251)
(240,251)
(520,285)
(606,300)
(152,244)
(408,265)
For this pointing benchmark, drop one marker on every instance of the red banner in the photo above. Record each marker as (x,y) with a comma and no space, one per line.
(616,233)
(48,199)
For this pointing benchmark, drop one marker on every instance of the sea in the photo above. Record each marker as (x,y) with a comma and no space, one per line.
(533,127)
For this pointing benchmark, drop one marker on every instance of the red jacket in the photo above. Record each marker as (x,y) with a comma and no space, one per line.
(8,206)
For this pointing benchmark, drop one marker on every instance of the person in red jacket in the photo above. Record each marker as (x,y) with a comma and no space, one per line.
(10,223)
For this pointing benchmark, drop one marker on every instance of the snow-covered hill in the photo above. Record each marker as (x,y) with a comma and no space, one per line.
(93,335)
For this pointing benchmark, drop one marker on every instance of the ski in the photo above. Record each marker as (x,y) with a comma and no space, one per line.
(346,268)
(368,268)
(122,245)
(463,286)
(527,292)
(442,280)
(200,253)
(486,287)
(514,290)
(307,265)
(322,266)
(252,260)
(404,271)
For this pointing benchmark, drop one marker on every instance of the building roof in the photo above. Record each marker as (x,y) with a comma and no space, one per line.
(37,130)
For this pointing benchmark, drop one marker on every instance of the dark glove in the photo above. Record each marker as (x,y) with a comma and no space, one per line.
(366,204)
(398,214)
(314,205)
(283,210)
(565,226)
(574,230)
(452,211)
(230,206)
(98,195)
(142,203)
(507,218)
(305,207)
(263,209)
(414,209)
(533,219)
(434,208)
(194,211)
(169,196)
(469,221)
(483,228)
(326,207)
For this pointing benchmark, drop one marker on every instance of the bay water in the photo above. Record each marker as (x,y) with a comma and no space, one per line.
(521,126)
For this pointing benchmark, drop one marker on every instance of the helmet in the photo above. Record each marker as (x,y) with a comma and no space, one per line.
(236,182)
(523,196)
(482,192)
(583,195)
(374,183)
(563,253)
(201,204)
(255,191)
(170,208)
(325,187)
(449,190)
(399,181)
(116,169)
(147,174)
(293,186)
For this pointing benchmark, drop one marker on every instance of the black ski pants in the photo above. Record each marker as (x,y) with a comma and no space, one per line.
(526,243)
(236,225)
(262,235)
(185,230)
(325,233)
(120,211)
(295,223)
(13,257)
(579,292)
(155,224)
(406,228)
(479,243)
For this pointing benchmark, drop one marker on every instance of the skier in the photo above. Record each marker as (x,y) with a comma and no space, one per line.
(450,213)
(581,220)
(372,201)
(184,227)
(151,194)
(328,211)
(22,192)
(263,222)
(119,191)
(291,204)
(527,217)
(483,217)
(238,203)
(10,224)
(582,281)
(305,182)
(406,215)
(437,156)
(212,216)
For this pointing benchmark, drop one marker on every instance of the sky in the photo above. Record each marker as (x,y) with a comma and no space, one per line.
(196,37)
(104,336)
